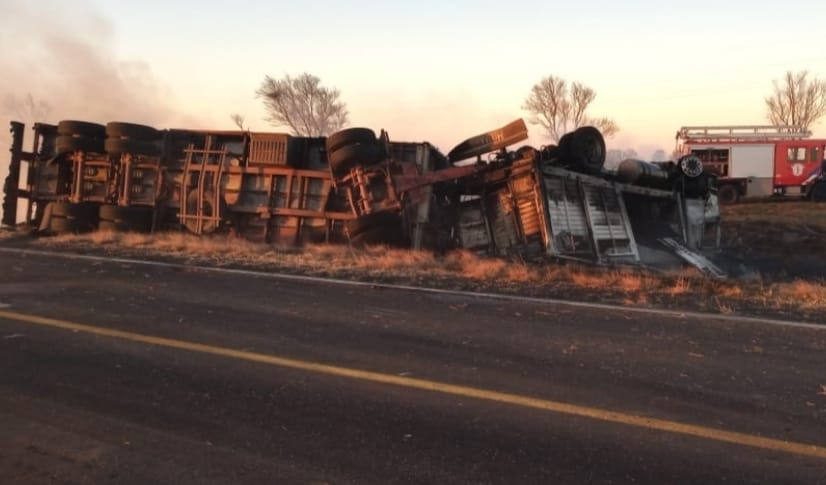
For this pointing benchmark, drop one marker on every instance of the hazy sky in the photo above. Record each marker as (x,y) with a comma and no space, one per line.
(426,70)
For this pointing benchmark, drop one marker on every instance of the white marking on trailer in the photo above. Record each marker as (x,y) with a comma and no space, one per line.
(4,305)
(458,293)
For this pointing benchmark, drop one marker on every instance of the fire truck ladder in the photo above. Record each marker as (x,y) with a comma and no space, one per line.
(200,210)
(741,133)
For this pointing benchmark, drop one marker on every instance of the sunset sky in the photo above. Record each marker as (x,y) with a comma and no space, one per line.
(428,70)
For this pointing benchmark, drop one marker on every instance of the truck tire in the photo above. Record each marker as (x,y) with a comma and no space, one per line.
(584,149)
(349,156)
(70,224)
(132,131)
(125,218)
(112,226)
(818,193)
(376,228)
(493,140)
(61,225)
(133,146)
(61,209)
(350,136)
(111,212)
(85,211)
(69,144)
(728,194)
(81,128)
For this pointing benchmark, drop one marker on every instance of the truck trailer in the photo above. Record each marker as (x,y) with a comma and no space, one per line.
(360,187)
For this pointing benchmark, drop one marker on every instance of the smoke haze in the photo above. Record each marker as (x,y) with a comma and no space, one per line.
(64,66)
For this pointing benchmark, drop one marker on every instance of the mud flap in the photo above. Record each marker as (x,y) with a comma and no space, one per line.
(694,258)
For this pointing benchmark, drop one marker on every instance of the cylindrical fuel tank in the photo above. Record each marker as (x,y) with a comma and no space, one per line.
(642,173)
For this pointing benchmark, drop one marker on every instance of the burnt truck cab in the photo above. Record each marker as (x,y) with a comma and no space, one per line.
(552,202)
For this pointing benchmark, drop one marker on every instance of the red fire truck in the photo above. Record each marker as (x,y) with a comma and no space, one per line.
(759,161)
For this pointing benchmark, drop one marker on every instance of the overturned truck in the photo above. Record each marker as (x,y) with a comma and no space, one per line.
(556,201)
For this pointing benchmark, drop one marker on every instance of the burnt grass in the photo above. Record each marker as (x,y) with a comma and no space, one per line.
(780,248)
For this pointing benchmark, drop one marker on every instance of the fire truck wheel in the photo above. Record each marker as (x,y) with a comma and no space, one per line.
(68,144)
(126,145)
(586,149)
(118,129)
(349,136)
(81,128)
(728,194)
(347,157)
(819,192)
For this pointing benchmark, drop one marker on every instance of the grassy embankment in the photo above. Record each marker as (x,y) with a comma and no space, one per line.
(775,232)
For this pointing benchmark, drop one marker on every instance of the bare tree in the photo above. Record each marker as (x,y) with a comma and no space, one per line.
(303,104)
(798,101)
(25,108)
(559,108)
(238,120)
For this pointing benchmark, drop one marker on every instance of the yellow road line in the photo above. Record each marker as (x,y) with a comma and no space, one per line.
(440,387)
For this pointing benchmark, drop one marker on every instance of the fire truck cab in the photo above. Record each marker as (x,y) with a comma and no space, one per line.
(759,161)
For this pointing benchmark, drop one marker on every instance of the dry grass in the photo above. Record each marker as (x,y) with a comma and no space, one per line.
(806,214)
(464,269)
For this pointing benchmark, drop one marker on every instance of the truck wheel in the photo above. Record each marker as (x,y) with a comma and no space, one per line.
(818,193)
(586,149)
(118,129)
(61,225)
(350,136)
(728,194)
(126,145)
(84,211)
(125,218)
(81,128)
(376,228)
(68,144)
(111,212)
(348,156)
(112,226)
(61,209)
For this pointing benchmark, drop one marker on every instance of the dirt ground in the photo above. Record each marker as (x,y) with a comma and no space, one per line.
(776,248)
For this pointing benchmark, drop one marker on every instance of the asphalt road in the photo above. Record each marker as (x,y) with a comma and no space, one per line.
(135,374)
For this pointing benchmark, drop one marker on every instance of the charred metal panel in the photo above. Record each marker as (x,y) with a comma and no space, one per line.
(568,224)
(502,220)
(524,190)
(609,223)
(307,153)
(472,226)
